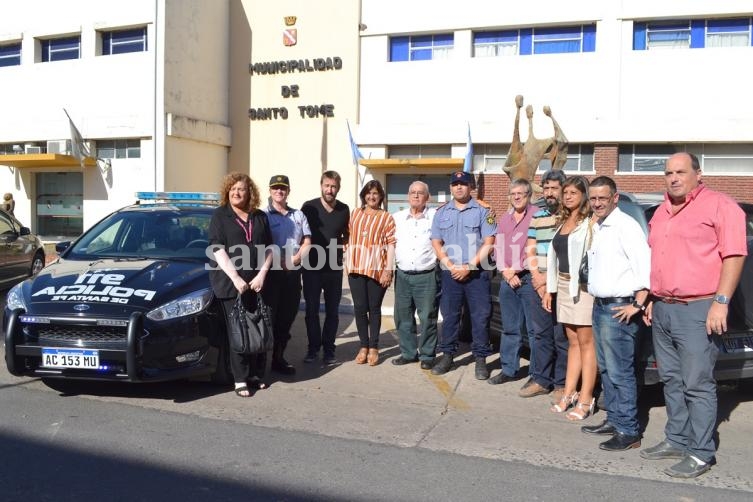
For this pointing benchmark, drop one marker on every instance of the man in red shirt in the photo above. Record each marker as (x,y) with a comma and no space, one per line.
(698,245)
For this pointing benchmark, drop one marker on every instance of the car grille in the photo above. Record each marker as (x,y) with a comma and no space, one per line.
(106,336)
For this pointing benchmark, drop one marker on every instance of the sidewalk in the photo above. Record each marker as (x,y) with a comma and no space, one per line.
(456,413)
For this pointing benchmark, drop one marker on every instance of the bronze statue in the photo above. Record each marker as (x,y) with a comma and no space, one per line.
(523,159)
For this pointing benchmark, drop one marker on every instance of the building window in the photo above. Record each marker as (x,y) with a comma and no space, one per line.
(715,158)
(495,43)
(557,40)
(489,158)
(59,49)
(693,34)
(728,33)
(580,159)
(10,54)
(119,149)
(421,48)
(123,41)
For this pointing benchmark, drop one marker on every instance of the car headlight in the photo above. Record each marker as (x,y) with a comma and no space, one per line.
(15,298)
(183,306)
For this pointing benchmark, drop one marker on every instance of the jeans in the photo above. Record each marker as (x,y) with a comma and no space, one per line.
(416,294)
(314,282)
(686,356)
(476,291)
(367,297)
(549,346)
(616,344)
(515,308)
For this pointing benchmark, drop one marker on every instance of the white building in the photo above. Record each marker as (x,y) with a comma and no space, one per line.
(175,93)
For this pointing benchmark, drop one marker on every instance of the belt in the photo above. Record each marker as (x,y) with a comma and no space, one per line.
(683,300)
(614,299)
(417,272)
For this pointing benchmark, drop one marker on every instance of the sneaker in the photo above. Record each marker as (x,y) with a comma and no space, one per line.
(533,390)
(329,360)
(310,357)
(689,467)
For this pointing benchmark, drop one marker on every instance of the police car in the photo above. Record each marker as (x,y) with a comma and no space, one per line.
(128,300)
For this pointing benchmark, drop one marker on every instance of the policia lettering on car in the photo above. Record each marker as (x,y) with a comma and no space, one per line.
(84,288)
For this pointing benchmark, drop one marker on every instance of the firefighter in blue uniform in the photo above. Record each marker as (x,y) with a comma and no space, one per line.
(463,235)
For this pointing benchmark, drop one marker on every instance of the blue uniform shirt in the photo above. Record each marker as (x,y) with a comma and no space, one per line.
(463,231)
(288,230)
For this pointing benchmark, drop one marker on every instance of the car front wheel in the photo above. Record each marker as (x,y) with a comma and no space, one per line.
(37,264)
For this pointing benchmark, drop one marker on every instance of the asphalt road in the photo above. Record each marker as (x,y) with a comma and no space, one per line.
(70,448)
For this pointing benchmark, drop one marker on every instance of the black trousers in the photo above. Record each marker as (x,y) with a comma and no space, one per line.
(367,297)
(283,296)
(244,366)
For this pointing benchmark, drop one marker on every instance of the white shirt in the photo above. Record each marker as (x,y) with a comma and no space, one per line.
(619,261)
(413,249)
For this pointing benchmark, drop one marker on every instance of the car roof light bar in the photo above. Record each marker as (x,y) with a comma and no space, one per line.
(205,197)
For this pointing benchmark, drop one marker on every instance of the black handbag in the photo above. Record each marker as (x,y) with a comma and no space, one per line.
(250,332)
(583,270)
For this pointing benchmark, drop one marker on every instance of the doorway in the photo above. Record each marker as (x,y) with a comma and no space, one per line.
(60,205)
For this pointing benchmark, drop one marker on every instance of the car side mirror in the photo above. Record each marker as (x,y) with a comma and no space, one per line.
(25,231)
(62,246)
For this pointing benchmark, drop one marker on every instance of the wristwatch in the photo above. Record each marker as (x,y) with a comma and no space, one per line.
(640,307)
(724,300)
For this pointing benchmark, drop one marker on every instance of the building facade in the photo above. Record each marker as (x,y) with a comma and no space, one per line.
(172,94)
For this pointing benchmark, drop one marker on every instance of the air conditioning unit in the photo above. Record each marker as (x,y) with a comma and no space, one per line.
(32,149)
(62,146)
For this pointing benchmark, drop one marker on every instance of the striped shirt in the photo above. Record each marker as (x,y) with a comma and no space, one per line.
(542,229)
(370,235)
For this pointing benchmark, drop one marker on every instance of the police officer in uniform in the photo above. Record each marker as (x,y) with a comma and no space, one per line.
(462,235)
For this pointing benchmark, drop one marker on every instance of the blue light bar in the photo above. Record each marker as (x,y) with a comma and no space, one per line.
(208,197)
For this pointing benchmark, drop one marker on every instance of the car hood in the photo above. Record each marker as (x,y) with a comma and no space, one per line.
(111,287)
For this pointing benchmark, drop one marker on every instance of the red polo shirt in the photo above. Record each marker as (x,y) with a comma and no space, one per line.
(687,248)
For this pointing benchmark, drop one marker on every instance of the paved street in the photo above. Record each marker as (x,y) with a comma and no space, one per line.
(410,408)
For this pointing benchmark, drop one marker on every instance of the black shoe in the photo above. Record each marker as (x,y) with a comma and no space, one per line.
(500,378)
(443,366)
(602,428)
(283,367)
(311,357)
(400,361)
(688,468)
(427,365)
(663,451)
(621,442)
(482,370)
(329,360)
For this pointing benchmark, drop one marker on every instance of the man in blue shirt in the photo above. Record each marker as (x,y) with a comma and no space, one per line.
(462,235)
(292,237)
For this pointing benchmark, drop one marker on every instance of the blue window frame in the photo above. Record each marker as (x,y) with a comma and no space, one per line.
(59,49)
(10,54)
(692,34)
(421,47)
(124,41)
(554,40)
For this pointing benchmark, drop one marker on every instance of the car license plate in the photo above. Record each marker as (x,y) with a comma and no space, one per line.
(738,344)
(70,358)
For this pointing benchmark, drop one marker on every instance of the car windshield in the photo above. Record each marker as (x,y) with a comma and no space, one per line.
(141,233)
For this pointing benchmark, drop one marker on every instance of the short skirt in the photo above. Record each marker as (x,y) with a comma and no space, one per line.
(578,312)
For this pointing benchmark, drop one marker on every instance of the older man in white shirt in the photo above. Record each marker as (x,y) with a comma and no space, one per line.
(619,263)
(416,279)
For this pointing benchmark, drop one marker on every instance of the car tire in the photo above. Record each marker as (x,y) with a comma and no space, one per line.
(37,264)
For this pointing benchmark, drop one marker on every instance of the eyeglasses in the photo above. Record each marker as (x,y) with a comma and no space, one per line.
(414,192)
(600,199)
(518,194)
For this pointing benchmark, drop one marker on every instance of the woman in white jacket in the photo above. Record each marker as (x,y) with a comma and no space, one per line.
(574,304)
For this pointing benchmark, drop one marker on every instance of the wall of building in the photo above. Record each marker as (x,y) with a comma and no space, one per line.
(301,147)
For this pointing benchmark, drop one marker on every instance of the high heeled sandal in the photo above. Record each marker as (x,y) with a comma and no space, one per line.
(373,357)
(565,402)
(361,356)
(581,411)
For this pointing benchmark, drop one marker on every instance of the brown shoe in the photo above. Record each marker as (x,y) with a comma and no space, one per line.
(373,357)
(361,357)
(533,390)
